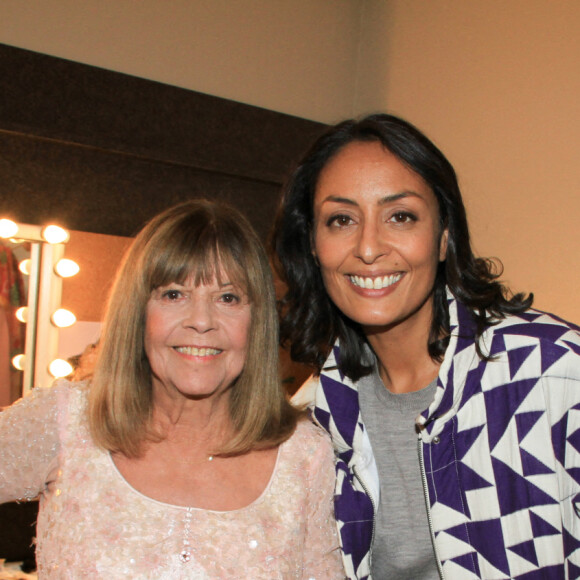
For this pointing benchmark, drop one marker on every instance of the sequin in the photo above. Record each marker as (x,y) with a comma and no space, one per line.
(99,525)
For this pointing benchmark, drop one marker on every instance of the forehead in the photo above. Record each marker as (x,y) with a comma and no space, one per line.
(368,169)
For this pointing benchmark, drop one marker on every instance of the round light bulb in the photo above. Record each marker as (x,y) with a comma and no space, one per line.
(63,318)
(54,234)
(66,268)
(18,362)
(60,368)
(25,266)
(8,228)
(22,314)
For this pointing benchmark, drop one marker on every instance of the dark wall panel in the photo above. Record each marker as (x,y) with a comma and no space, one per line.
(102,151)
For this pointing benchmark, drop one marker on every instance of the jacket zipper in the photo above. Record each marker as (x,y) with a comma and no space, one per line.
(426,494)
(366,490)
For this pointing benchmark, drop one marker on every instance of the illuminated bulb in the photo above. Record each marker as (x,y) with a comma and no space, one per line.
(60,368)
(7,228)
(18,362)
(25,266)
(54,234)
(66,268)
(22,314)
(63,318)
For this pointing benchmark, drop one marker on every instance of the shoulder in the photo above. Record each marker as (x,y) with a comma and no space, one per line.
(537,326)
(311,440)
(535,335)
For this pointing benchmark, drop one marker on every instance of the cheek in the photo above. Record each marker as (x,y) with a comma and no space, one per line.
(326,251)
(155,329)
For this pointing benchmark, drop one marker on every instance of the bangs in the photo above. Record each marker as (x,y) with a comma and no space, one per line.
(206,255)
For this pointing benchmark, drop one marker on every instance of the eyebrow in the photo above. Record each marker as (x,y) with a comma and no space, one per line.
(383,201)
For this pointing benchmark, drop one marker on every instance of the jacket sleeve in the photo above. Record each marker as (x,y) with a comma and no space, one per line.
(28,444)
(562,389)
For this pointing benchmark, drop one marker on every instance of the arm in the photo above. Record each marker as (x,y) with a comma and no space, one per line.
(28,444)
(322,556)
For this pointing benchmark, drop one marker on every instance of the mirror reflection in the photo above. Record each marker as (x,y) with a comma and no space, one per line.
(50,306)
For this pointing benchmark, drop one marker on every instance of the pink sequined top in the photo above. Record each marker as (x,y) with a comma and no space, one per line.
(93,524)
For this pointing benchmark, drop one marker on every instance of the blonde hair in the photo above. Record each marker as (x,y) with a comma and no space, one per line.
(198,238)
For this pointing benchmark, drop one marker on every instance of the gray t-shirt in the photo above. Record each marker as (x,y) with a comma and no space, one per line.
(402,546)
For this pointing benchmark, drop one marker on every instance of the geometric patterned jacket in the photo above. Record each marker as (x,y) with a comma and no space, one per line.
(499,449)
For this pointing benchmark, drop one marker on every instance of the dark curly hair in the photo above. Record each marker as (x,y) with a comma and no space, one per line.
(310,322)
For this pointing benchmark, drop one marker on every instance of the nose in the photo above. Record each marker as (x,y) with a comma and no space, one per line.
(370,244)
(199,316)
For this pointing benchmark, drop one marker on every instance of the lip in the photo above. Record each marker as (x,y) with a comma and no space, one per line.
(198,351)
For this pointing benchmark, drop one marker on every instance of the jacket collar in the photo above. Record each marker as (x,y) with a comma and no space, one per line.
(336,401)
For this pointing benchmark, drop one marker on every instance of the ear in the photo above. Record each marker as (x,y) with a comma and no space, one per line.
(312,250)
(443,245)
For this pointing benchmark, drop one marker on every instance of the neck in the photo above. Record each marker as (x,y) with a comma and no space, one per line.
(403,356)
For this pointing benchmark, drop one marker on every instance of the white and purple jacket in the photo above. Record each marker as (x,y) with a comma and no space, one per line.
(499,449)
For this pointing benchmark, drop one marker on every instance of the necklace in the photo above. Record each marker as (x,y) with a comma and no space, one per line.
(185,554)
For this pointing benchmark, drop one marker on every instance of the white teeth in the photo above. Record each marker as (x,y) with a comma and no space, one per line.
(194,351)
(375,283)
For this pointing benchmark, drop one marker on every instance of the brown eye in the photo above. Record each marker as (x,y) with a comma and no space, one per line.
(172,295)
(403,217)
(340,220)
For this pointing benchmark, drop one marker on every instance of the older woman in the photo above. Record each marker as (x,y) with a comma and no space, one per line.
(182,458)
(411,334)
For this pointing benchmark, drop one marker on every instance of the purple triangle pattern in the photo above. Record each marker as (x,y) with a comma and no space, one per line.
(501,404)
(470,479)
(486,538)
(469,562)
(571,544)
(574,347)
(467,439)
(497,345)
(518,493)
(526,550)
(550,354)
(530,315)
(525,422)
(552,332)
(341,399)
(448,393)
(574,440)
(323,417)
(559,431)
(574,473)
(517,357)
(472,383)
(532,466)
(336,352)
(356,511)
(540,527)
(544,573)
(573,571)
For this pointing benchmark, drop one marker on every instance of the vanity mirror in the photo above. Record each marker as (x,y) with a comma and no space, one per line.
(33,268)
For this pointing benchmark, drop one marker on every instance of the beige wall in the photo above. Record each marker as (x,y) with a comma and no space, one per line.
(294,56)
(496,84)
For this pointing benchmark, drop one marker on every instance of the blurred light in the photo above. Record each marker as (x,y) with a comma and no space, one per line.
(22,314)
(54,234)
(66,268)
(63,318)
(25,266)
(60,368)
(18,362)
(7,228)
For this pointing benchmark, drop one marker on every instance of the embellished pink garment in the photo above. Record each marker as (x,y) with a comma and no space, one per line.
(93,524)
